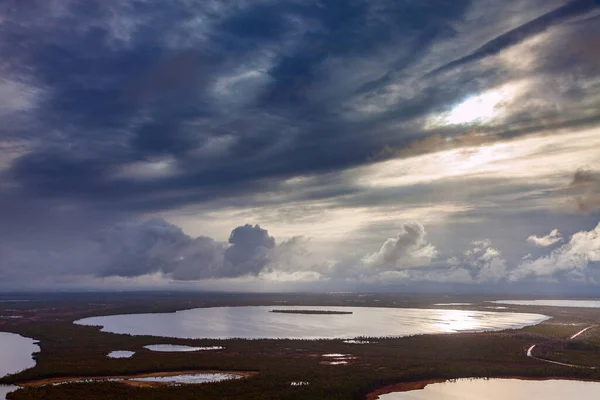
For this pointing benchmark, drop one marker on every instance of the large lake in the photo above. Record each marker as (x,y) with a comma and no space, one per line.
(501,389)
(259,322)
(552,303)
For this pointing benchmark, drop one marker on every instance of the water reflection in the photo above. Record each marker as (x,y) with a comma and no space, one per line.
(501,389)
(456,321)
(258,322)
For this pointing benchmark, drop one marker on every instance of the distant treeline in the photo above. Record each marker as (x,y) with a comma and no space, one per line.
(313,312)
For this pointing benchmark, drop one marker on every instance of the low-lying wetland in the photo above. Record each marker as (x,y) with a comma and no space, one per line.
(271,365)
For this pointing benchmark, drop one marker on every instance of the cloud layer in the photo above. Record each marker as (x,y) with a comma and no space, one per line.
(157,250)
(135,135)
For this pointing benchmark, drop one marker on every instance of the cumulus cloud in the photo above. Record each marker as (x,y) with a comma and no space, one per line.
(160,250)
(148,247)
(552,238)
(576,260)
(480,264)
(249,251)
(484,262)
(409,248)
(155,246)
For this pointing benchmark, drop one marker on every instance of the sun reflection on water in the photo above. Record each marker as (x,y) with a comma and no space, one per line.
(449,321)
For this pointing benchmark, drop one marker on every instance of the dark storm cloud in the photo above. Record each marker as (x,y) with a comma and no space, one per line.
(155,246)
(248,253)
(142,248)
(133,81)
(121,92)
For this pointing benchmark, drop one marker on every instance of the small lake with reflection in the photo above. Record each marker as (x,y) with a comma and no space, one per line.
(120,354)
(168,348)
(501,389)
(259,322)
(170,379)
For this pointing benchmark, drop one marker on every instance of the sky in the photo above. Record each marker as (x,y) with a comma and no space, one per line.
(300,145)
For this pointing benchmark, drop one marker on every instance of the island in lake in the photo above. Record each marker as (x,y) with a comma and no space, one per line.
(312,312)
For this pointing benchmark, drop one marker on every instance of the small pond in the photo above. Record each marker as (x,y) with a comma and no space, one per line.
(168,348)
(120,354)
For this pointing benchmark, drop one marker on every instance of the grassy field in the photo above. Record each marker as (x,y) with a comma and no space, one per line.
(73,350)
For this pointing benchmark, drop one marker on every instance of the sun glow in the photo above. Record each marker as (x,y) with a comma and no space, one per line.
(478,109)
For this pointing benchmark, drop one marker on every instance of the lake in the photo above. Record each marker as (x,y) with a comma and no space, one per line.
(15,355)
(501,389)
(552,303)
(259,322)
(6,389)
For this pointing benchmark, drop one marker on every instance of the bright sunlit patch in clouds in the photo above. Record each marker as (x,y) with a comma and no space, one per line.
(528,159)
(475,109)
(478,109)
